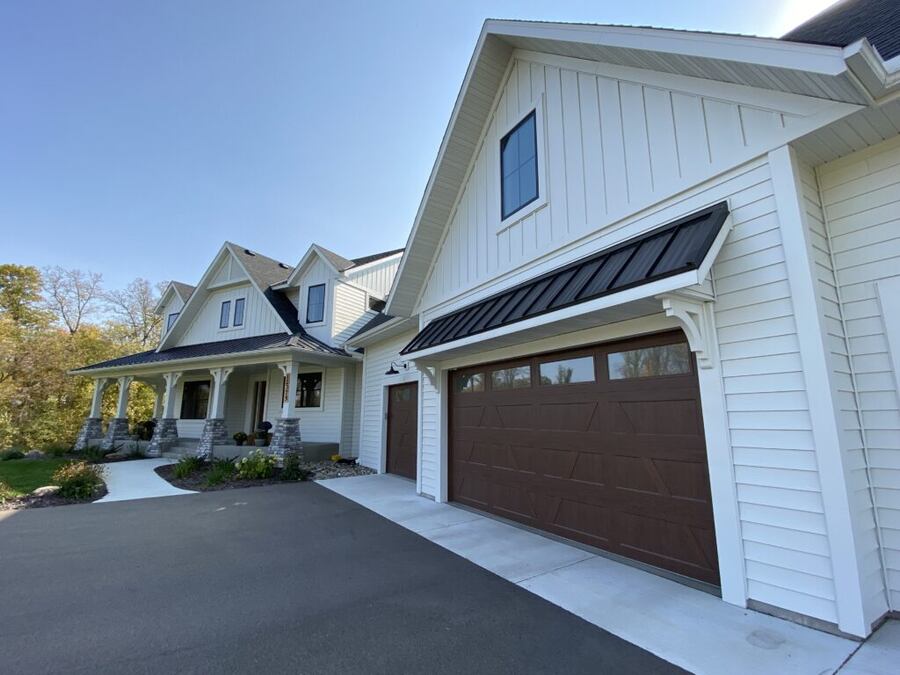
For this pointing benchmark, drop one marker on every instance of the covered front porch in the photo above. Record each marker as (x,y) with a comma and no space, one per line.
(202,404)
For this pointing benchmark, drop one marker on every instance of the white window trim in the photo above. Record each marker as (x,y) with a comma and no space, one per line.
(540,122)
(227,325)
(307,371)
(234,303)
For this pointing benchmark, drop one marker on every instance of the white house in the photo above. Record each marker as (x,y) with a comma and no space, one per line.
(252,330)
(650,303)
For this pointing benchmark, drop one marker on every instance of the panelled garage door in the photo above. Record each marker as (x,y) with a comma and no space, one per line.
(603,445)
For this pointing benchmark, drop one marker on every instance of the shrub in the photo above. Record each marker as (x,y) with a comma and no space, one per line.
(187,465)
(221,471)
(6,493)
(12,453)
(258,464)
(240,438)
(95,454)
(56,449)
(291,469)
(78,480)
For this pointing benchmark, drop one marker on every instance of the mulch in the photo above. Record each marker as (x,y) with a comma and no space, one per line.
(31,501)
(197,480)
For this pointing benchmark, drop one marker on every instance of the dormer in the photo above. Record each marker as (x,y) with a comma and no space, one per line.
(170,304)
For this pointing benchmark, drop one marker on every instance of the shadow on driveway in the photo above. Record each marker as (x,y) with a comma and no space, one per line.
(284,578)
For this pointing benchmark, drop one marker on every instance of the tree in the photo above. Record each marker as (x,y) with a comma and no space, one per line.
(72,295)
(20,293)
(132,308)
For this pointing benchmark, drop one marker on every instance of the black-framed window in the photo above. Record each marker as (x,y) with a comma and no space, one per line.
(171,321)
(195,400)
(519,166)
(225,314)
(239,311)
(315,303)
(309,391)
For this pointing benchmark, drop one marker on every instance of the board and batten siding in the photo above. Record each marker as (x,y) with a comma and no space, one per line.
(377,360)
(860,197)
(259,317)
(377,276)
(616,141)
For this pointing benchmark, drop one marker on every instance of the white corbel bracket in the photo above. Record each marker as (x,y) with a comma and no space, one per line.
(696,320)
(431,372)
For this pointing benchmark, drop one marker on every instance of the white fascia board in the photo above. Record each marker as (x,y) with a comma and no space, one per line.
(312,251)
(642,292)
(163,299)
(388,329)
(377,261)
(770,52)
(878,80)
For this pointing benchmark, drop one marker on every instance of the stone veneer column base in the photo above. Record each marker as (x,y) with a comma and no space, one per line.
(117,432)
(214,433)
(286,436)
(165,435)
(91,428)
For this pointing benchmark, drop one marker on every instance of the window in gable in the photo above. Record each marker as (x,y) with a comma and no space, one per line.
(225,314)
(518,166)
(171,321)
(315,303)
(239,311)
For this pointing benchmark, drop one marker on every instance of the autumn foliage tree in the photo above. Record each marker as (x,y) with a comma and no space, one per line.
(46,330)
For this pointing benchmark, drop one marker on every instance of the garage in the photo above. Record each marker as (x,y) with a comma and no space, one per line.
(603,445)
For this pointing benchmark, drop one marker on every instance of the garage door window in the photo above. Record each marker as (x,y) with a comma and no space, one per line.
(568,371)
(511,378)
(650,362)
(470,383)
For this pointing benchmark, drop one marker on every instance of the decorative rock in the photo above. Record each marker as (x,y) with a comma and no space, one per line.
(286,436)
(91,428)
(117,432)
(214,433)
(34,454)
(46,491)
(165,436)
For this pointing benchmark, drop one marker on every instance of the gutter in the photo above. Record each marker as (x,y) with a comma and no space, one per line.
(877,79)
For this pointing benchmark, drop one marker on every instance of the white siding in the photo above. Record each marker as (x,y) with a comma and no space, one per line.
(173,306)
(259,317)
(350,413)
(377,276)
(315,425)
(236,403)
(350,311)
(317,273)
(378,359)
(612,148)
(861,200)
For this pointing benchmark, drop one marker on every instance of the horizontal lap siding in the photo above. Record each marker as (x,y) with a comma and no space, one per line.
(861,199)
(377,277)
(779,494)
(315,425)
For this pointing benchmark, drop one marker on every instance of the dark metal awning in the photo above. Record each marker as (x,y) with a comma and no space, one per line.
(672,249)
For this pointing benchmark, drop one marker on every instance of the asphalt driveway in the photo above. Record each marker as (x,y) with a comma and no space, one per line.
(285,578)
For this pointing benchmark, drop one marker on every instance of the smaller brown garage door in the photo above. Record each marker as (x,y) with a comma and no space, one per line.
(402,424)
(601,444)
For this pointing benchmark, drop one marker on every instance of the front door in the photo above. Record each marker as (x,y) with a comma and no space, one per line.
(259,404)
(402,425)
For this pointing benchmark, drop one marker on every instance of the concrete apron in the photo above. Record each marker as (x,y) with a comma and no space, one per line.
(687,627)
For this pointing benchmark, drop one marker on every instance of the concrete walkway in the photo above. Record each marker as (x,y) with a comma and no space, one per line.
(136,479)
(689,628)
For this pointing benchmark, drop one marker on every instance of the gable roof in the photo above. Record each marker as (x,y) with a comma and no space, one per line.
(266,272)
(366,259)
(847,21)
(675,248)
(765,63)
(184,290)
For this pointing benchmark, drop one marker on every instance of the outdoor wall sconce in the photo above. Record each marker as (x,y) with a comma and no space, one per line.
(394,365)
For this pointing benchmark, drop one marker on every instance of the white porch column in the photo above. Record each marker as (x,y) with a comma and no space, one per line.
(220,378)
(159,391)
(122,405)
(165,434)
(290,373)
(170,382)
(100,386)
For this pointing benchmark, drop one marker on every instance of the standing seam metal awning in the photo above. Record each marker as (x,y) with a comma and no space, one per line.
(672,249)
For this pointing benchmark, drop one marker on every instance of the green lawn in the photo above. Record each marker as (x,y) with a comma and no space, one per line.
(24,475)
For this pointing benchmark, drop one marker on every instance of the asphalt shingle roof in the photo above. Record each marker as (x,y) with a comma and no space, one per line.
(374,322)
(850,20)
(183,289)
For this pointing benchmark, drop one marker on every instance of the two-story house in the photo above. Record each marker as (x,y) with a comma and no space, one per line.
(651,303)
(255,341)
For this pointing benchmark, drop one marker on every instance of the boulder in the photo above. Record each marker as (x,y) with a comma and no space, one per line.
(46,491)
(34,454)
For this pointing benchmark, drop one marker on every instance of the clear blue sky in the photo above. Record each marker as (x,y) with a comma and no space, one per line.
(135,137)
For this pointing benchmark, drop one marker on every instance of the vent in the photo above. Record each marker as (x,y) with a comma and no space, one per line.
(283,266)
(248,251)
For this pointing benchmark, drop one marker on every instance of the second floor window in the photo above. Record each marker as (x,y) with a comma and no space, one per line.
(171,321)
(239,311)
(315,304)
(518,166)
(225,314)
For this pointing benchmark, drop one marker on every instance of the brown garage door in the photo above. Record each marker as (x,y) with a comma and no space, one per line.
(603,445)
